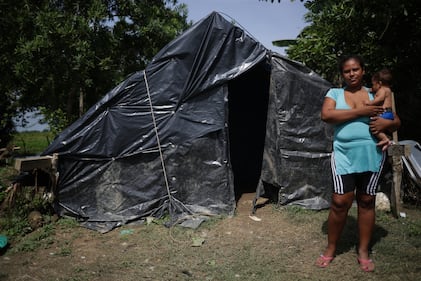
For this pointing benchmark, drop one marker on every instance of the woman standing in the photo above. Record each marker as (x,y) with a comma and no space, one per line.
(357,161)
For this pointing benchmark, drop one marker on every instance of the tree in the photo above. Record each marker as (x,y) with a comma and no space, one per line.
(7,112)
(64,55)
(385,33)
(9,11)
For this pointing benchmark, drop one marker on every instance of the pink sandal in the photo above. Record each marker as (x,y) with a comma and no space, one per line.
(323,261)
(366,265)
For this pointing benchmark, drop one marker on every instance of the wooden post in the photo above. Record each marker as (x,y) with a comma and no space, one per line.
(395,133)
(395,152)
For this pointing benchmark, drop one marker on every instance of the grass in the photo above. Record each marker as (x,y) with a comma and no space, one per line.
(32,143)
(282,247)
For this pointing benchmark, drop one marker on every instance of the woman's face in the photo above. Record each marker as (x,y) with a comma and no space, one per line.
(353,73)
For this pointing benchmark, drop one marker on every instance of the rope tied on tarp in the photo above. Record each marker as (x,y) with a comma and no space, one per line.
(173,202)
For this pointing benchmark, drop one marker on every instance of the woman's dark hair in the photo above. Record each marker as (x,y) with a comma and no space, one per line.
(344,59)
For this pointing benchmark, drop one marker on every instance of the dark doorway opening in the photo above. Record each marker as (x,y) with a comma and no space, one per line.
(248,103)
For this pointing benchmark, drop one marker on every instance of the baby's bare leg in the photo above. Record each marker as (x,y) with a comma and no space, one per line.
(384,141)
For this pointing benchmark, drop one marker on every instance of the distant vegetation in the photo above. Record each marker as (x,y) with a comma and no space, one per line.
(32,143)
(17,202)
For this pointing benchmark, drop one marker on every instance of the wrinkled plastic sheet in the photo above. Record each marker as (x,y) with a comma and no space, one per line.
(157,143)
(298,145)
(132,188)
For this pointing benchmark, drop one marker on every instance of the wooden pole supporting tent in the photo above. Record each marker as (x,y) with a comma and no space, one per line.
(395,153)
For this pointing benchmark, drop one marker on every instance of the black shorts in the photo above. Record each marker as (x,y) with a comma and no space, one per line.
(366,182)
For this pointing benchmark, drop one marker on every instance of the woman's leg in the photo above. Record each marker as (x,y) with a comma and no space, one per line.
(366,220)
(366,200)
(337,219)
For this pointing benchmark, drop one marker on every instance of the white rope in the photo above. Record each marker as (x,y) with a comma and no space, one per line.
(171,198)
(157,136)
(234,22)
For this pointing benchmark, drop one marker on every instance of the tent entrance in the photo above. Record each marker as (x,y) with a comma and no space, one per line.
(248,103)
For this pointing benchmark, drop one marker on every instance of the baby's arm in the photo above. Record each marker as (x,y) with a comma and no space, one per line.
(387,98)
(379,98)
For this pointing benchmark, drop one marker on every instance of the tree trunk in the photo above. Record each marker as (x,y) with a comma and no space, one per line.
(81,98)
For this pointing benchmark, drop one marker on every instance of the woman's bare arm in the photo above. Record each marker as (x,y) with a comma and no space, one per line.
(332,115)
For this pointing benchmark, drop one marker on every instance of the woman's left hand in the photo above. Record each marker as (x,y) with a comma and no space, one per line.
(379,124)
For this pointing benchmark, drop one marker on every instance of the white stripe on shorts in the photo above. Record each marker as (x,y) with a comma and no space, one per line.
(338,186)
(374,180)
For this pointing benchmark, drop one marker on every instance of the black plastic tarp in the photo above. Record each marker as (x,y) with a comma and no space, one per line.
(160,142)
(296,159)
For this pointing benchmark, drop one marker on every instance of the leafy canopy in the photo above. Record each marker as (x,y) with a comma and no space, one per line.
(64,55)
(385,33)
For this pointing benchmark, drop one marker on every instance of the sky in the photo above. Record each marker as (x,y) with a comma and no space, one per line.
(264,20)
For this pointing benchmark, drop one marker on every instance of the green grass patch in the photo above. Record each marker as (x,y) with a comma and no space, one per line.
(32,143)
(38,239)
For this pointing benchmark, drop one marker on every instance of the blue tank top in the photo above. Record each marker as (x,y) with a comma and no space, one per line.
(354,146)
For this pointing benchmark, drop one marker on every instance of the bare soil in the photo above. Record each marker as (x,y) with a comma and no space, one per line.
(282,246)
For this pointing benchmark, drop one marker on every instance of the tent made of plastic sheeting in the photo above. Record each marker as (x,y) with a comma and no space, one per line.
(215,114)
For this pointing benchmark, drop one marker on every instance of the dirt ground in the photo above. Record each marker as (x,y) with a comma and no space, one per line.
(282,246)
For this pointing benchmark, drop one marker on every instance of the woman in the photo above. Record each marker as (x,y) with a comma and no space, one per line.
(357,161)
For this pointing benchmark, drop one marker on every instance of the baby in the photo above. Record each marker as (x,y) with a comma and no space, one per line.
(381,81)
